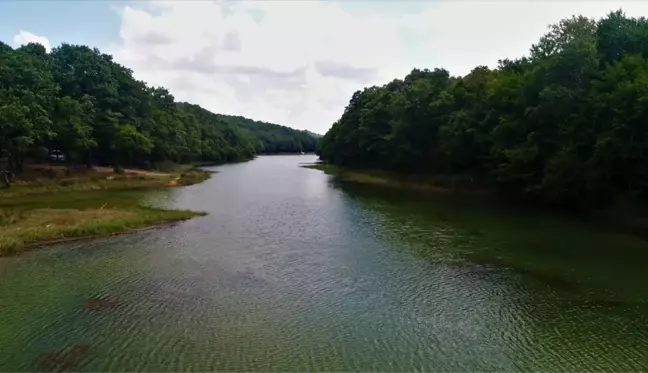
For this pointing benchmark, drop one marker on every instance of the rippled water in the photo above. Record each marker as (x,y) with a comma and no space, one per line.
(292,270)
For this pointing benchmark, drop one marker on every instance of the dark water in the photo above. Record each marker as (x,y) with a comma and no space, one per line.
(292,270)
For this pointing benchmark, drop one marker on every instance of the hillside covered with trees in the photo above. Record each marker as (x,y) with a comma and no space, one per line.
(81,102)
(273,138)
(567,124)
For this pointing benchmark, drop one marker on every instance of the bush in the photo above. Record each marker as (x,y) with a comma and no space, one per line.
(193,177)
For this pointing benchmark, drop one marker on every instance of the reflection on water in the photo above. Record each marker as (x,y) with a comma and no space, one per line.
(292,270)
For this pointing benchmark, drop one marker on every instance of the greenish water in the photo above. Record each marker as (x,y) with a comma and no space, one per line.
(292,270)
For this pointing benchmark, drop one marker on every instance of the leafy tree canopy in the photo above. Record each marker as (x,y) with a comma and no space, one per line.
(79,101)
(567,124)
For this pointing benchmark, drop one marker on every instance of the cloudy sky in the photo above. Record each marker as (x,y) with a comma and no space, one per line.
(291,62)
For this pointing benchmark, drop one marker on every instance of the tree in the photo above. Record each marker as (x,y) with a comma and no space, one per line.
(564,125)
(132,146)
(80,101)
(72,127)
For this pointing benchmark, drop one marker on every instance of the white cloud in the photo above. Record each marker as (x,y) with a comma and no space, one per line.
(26,37)
(298,62)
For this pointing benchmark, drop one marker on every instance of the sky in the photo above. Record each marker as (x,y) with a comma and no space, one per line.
(295,62)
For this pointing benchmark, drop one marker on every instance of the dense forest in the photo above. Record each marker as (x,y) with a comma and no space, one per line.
(80,102)
(273,138)
(567,124)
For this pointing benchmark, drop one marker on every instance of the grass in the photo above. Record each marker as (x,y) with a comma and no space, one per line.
(40,226)
(424,182)
(41,210)
(42,180)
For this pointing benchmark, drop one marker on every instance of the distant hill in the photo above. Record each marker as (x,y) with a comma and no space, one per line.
(315,135)
(272,138)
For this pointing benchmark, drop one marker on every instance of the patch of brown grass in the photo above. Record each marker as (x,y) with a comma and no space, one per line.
(98,178)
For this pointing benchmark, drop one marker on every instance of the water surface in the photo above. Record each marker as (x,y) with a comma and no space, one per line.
(293,270)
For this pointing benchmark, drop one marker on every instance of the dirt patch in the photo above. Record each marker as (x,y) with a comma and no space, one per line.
(131,171)
(55,171)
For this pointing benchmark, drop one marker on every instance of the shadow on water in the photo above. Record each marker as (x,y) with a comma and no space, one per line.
(572,285)
(563,253)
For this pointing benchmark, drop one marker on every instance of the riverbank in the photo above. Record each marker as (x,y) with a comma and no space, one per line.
(422,182)
(623,215)
(39,210)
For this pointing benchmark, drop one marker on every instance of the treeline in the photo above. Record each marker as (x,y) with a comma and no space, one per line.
(273,138)
(567,124)
(80,102)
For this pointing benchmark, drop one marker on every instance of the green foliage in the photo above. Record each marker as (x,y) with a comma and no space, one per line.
(193,177)
(565,125)
(273,138)
(79,101)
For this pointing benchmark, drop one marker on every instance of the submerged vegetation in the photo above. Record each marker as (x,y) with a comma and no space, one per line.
(564,126)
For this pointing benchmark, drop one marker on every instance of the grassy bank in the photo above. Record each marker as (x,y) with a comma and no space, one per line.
(39,179)
(424,182)
(50,207)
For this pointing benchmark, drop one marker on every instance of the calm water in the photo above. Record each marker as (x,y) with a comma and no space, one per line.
(292,270)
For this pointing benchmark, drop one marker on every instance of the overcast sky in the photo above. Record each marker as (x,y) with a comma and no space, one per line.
(293,62)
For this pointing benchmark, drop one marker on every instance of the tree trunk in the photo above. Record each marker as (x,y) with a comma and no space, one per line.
(15,165)
(5,180)
(18,167)
(68,163)
(88,159)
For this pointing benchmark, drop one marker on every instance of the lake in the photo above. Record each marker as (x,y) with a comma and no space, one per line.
(293,270)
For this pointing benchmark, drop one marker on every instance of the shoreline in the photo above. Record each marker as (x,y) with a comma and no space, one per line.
(613,218)
(38,244)
(139,221)
(410,182)
(46,212)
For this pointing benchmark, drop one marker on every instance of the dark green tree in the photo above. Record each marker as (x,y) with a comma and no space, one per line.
(564,125)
